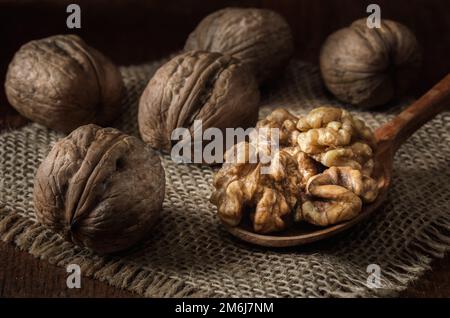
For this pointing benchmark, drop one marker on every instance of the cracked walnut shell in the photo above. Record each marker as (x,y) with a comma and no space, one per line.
(368,67)
(62,83)
(260,38)
(100,188)
(214,88)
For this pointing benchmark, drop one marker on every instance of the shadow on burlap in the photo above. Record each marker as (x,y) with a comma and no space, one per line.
(190,254)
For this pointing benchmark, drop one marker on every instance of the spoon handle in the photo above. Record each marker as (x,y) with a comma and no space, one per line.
(412,118)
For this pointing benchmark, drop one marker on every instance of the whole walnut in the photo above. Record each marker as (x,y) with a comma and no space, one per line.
(260,38)
(368,67)
(214,88)
(100,188)
(62,83)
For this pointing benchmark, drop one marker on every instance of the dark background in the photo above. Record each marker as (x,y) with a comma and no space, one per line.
(132,31)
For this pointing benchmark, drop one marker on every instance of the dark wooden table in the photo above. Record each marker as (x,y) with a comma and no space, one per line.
(153,28)
(22,275)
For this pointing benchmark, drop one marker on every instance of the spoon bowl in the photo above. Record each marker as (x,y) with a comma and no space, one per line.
(389,138)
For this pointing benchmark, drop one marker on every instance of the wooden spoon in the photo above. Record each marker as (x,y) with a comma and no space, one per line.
(389,138)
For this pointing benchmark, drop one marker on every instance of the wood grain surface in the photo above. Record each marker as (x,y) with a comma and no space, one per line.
(22,275)
(135,31)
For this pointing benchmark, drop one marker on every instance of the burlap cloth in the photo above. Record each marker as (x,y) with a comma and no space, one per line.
(190,254)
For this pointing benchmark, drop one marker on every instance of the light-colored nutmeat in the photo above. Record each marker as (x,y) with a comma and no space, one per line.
(337,195)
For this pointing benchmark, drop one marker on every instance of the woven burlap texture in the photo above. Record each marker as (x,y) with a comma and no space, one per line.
(190,254)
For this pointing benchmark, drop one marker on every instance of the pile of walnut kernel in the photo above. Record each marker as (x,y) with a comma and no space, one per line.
(322,173)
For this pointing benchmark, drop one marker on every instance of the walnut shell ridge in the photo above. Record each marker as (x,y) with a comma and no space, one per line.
(369,67)
(214,88)
(260,38)
(100,188)
(62,83)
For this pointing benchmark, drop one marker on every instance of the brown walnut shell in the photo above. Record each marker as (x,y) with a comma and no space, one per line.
(260,38)
(100,188)
(214,88)
(369,67)
(62,83)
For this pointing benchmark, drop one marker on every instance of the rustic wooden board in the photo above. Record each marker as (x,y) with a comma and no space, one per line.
(167,24)
(22,275)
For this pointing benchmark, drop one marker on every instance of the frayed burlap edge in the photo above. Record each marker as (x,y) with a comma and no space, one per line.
(29,236)
(45,244)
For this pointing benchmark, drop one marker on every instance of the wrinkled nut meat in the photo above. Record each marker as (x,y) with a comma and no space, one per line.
(100,188)
(337,195)
(321,174)
(211,87)
(269,197)
(285,122)
(368,67)
(334,137)
(260,38)
(62,83)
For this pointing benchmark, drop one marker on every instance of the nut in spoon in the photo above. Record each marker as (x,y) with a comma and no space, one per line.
(389,138)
